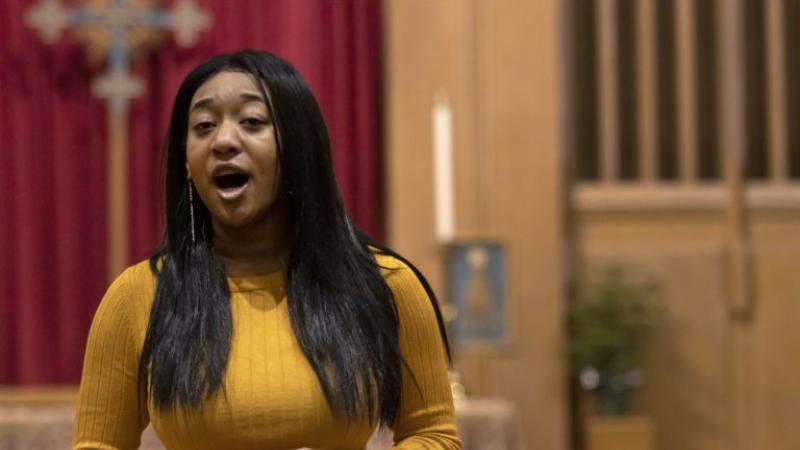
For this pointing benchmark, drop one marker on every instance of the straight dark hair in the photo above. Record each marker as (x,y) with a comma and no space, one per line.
(341,310)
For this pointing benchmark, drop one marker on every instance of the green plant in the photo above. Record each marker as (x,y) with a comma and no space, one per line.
(610,319)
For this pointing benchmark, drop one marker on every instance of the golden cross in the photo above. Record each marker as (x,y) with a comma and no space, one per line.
(113,30)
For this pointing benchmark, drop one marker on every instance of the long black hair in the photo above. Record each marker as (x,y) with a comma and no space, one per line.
(341,310)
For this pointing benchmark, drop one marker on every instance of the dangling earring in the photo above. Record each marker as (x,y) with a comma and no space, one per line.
(191,208)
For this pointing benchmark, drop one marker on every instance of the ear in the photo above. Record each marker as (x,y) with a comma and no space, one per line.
(188,171)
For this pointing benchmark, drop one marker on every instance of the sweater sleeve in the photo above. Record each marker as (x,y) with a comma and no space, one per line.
(110,413)
(426,419)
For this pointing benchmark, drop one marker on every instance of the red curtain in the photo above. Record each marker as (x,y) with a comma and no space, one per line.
(52,156)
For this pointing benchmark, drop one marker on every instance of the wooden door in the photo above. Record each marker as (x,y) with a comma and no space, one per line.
(685,134)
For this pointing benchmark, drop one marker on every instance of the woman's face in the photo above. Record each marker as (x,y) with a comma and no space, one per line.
(231,150)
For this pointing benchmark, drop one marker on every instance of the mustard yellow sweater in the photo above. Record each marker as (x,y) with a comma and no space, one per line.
(273,399)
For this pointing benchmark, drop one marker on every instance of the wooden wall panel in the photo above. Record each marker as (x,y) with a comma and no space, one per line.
(776,334)
(524,145)
(706,361)
(686,386)
(505,92)
(417,58)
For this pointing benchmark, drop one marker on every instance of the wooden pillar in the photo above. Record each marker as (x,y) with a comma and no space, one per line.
(732,128)
(687,88)
(776,89)
(607,88)
(647,89)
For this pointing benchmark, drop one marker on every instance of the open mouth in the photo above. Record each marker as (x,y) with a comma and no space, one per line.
(231,181)
(231,185)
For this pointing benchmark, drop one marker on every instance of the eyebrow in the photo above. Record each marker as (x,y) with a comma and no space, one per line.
(247,96)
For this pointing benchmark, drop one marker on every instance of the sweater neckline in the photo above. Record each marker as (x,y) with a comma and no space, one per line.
(256,282)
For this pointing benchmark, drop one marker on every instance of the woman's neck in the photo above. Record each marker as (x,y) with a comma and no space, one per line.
(254,250)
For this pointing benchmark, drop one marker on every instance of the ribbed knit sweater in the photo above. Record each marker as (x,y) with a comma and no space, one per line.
(272,398)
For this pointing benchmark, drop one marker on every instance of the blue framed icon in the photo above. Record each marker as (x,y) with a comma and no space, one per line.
(477,292)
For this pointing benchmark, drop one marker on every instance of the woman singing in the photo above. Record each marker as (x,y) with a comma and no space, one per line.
(266,320)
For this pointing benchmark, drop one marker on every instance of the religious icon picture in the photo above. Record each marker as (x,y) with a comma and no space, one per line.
(476,282)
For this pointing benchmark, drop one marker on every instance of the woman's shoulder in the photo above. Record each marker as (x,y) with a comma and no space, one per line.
(132,291)
(135,279)
(391,267)
(399,275)
(386,261)
(416,309)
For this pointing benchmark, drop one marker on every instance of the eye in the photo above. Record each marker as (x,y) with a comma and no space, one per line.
(253,122)
(203,126)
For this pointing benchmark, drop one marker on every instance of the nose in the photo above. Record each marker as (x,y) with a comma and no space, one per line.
(226,141)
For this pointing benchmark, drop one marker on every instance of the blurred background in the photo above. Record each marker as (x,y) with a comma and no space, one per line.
(603,193)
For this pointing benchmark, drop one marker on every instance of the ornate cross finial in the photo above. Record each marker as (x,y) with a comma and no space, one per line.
(118,26)
(112,30)
(48,18)
(187,21)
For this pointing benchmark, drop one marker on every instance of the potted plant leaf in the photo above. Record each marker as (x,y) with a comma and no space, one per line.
(611,319)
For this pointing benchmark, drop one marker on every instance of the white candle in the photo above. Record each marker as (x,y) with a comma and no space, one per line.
(442,120)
